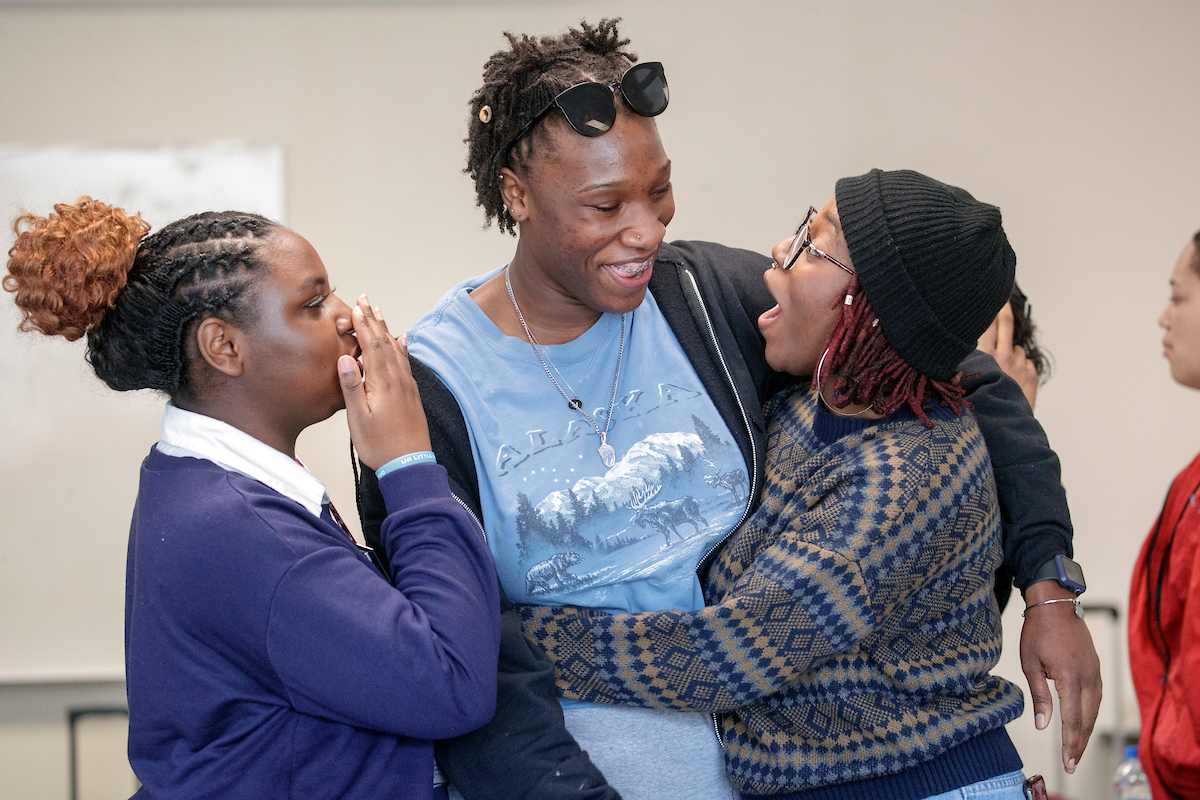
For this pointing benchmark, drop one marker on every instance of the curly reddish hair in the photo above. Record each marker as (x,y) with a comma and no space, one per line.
(90,268)
(867,370)
(67,269)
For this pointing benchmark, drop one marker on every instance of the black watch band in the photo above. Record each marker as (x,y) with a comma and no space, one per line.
(1062,569)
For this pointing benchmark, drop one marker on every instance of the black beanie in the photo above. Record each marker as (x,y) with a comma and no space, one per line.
(933,261)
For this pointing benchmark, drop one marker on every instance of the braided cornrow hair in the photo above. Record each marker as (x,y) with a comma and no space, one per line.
(866,369)
(517,84)
(86,269)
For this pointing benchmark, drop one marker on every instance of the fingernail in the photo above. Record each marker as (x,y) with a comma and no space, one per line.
(1039,721)
(358,310)
(1071,766)
(378,313)
(346,365)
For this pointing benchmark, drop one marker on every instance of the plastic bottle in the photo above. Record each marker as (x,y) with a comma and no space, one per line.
(1129,781)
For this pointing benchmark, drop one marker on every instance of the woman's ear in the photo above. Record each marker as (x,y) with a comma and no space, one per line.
(512,191)
(220,345)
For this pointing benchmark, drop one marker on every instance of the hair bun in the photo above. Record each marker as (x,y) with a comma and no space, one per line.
(67,269)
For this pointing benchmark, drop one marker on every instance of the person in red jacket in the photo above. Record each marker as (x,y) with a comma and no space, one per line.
(1164,601)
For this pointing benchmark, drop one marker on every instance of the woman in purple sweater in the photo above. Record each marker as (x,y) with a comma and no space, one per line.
(258,663)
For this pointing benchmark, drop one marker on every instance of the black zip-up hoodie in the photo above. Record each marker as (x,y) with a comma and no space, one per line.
(711,296)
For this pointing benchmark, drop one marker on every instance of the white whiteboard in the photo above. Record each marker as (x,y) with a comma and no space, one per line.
(69,447)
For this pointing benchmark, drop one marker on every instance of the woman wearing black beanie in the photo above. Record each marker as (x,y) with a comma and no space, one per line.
(851,625)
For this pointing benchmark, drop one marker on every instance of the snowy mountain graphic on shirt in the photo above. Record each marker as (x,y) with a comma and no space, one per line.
(654,506)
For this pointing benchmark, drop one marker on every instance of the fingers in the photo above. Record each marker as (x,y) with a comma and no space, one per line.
(1036,674)
(382,357)
(1079,705)
(1090,710)
(350,378)
(1035,637)
(1039,693)
(401,345)
(1057,646)
(383,404)
(1070,709)
(1004,329)
(368,320)
(987,342)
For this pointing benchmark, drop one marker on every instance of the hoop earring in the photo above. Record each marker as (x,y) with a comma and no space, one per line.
(821,392)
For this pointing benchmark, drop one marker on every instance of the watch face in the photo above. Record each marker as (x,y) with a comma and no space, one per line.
(1070,574)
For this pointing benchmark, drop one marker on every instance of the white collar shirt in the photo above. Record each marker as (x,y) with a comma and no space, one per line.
(186,434)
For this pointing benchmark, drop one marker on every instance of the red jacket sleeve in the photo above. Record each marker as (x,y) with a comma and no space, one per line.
(1164,638)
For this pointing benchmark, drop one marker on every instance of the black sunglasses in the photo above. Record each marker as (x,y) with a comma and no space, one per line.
(591,108)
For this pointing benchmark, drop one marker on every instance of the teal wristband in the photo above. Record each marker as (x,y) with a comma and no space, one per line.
(419,457)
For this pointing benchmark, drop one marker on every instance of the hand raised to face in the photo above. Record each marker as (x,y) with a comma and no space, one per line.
(997,341)
(383,406)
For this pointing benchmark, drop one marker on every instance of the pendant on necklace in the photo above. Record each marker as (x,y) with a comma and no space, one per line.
(607,454)
(574,404)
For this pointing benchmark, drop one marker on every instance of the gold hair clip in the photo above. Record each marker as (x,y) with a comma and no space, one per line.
(485,114)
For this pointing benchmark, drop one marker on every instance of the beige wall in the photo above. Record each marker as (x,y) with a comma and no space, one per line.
(1079,119)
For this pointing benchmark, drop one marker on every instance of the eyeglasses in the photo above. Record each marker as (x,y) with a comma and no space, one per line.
(591,108)
(801,242)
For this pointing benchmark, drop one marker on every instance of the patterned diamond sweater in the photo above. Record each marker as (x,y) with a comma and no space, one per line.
(851,623)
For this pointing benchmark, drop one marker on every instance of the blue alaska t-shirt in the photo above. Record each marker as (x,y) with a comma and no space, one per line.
(562,527)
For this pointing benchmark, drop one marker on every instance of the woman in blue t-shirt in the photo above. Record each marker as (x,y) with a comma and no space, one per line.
(598,404)
(253,668)
(851,627)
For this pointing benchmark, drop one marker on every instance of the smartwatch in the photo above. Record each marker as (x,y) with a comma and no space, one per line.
(1062,569)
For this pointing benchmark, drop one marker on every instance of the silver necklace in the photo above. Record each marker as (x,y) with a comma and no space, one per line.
(607,454)
(573,402)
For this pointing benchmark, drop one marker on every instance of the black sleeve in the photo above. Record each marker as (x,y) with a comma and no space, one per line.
(371,512)
(732,278)
(743,269)
(1033,504)
(525,752)
(450,442)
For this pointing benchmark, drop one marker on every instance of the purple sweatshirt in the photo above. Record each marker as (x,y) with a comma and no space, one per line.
(267,658)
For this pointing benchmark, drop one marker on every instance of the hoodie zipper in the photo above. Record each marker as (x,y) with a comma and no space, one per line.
(749,431)
(471,513)
(745,419)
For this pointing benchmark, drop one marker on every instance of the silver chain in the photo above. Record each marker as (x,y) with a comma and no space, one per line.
(607,454)
(574,398)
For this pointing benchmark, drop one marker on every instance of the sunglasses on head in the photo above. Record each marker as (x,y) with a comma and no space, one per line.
(591,108)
